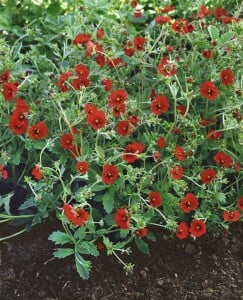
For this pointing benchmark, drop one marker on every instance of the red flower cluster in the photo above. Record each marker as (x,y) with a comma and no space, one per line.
(18,122)
(117,102)
(3,172)
(130,152)
(142,232)
(75,216)
(122,218)
(166,67)
(182,26)
(95,118)
(189,203)
(110,174)
(155,199)
(61,83)
(197,229)
(162,19)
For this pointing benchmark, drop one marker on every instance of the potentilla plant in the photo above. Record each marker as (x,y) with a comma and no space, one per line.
(127,129)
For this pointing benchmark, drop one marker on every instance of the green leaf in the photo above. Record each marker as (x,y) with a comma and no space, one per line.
(108,200)
(5,201)
(151,236)
(224,38)
(213,32)
(80,233)
(63,252)
(124,233)
(142,246)
(88,248)
(83,266)
(59,237)
(30,202)
(98,187)
(220,197)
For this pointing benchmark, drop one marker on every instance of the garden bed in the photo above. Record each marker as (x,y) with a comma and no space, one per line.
(208,268)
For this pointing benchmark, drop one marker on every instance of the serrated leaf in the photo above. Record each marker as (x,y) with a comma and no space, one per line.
(59,237)
(98,187)
(221,198)
(150,236)
(124,233)
(80,233)
(63,252)
(108,201)
(28,203)
(87,248)
(82,266)
(142,246)
(213,32)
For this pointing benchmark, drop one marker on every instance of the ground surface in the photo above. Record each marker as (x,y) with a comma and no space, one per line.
(208,268)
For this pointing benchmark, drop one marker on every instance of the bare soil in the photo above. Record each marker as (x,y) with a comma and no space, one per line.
(207,268)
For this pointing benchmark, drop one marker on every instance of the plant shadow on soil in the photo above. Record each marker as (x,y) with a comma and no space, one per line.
(207,268)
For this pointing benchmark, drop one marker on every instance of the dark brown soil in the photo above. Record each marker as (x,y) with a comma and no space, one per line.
(208,268)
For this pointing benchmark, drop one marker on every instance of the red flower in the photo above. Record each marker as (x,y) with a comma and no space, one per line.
(67,141)
(237,167)
(80,82)
(161,142)
(110,174)
(123,128)
(82,71)
(81,39)
(75,150)
(134,3)
(142,232)
(182,230)
(100,59)
(207,122)
(231,216)
(207,54)
(214,134)
(36,172)
(38,131)
(130,152)
(176,172)
(139,42)
(197,228)
(179,153)
(5,76)
(97,119)
(159,105)
(133,119)
(222,159)
(122,218)
(155,199)
(129,51)
(181,109)
(166,9)
(9,90)
(61,82)
(118,110)
(166,67)
(208,175)
(137,13)
(240,203)
(3,173)
(76,216)
(82,167)
(209,91)
(226,77)
(157,155)
(100,34)
(162,19)
(107,84)
(118,97)
(90,108)
(203,12)
(220,12)
(189,203)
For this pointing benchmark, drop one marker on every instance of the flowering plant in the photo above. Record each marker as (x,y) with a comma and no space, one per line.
(118,131)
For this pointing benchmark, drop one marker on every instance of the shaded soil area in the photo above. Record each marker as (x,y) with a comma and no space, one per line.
(207,268)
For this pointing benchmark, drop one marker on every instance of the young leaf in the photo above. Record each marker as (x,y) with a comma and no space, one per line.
(63,252)
(59,237)
(108,200)
(142,246)
(88,248)
(5,200)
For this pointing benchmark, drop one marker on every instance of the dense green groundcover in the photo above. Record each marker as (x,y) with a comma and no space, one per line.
(118,116)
